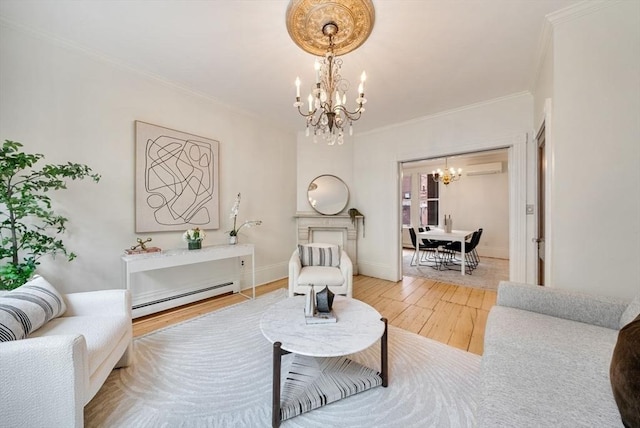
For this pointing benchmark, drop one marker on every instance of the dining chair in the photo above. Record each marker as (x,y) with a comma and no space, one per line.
(471,262)
(428,247)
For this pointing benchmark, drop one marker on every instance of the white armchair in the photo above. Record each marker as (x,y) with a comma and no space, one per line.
(338,278)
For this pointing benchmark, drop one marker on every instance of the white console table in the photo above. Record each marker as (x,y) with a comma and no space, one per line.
(135,263)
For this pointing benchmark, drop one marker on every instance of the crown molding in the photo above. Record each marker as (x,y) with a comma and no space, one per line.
(443,113)
(578,10)
(559,17)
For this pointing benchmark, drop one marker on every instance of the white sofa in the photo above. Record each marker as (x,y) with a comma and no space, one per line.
(47,378)
(339,278)
(546,358)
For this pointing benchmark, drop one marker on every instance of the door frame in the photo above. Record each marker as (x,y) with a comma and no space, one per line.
(546,124)
(517,170)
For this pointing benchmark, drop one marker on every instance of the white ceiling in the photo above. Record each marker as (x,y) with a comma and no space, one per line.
(423,57)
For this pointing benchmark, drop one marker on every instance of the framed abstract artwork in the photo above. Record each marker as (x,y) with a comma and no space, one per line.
(176,180)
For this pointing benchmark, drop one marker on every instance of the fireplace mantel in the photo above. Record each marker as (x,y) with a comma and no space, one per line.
(331,229)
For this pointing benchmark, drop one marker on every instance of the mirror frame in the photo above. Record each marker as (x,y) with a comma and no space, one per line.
(338,181)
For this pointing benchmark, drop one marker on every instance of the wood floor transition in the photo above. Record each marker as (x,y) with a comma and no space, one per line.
(448,313)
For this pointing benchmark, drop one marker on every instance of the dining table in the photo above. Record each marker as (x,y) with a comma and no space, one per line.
(437,234)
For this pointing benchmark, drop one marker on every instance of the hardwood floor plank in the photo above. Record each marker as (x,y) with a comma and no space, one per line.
(489,299)
(448,313)
(413,318)
(475,298)
(418,293)
(462,331)
(476,344)
(460,295)
(433,296)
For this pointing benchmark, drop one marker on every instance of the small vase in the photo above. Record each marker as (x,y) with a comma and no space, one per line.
(233,240)
(195,245)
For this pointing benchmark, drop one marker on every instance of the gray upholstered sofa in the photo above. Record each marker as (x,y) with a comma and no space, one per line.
(546,358)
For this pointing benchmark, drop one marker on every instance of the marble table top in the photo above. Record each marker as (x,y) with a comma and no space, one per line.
(358,327)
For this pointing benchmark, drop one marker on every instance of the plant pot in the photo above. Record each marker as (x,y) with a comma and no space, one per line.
(233,240)
(195,245)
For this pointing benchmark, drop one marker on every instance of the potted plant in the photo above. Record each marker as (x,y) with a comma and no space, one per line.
(233,234)
(29,228)
(194,238)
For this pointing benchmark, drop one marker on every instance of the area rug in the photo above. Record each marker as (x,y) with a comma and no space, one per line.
(215,371)
(487,275)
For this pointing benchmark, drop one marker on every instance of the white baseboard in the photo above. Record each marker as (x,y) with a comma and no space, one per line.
(264,274)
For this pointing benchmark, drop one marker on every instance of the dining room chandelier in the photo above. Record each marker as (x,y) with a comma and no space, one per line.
(447,176)
(329,28)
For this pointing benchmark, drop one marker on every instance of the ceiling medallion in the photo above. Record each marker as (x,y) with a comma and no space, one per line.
(306,19)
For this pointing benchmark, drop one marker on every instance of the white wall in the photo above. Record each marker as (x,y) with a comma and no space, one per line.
(318,158)
(75,106)
(497,123)
(596,149)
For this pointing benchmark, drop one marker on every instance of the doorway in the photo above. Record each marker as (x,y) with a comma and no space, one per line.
(479,198)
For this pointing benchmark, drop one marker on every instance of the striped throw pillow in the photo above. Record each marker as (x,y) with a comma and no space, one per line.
(27,308)
(313,255)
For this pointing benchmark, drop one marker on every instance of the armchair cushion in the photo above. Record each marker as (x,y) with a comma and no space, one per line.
(319,255)
(101,333)
(28,308)
(321,276)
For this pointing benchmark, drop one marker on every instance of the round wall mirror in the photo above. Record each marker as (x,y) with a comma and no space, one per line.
(328,195)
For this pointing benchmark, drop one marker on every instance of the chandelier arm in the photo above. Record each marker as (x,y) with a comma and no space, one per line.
(310,114)
(351,115)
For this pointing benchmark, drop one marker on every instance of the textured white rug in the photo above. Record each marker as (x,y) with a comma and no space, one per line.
(215,371)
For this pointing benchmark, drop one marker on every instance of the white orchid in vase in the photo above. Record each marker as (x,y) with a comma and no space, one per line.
(233,234)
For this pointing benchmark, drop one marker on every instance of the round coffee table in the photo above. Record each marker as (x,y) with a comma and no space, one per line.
(320,351)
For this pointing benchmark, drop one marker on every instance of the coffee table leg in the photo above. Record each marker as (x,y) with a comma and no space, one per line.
(277,360)
(384,370)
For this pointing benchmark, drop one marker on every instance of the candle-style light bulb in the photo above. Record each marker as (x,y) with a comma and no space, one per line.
(363,78)
(310,103)
(297,87)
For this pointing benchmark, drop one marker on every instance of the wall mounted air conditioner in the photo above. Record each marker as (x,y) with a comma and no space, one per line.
(484,169)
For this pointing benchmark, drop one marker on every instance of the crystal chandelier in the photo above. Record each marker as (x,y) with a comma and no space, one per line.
(448,175)
(328,113)
(328,29)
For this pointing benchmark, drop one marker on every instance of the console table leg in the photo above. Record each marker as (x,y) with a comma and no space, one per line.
(277,360)
(384,370)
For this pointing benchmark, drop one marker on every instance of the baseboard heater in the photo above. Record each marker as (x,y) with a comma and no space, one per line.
(181,295)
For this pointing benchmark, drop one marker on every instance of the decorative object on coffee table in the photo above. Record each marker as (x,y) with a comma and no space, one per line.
(310,303)
(324,300)
(194,238)
(233,234)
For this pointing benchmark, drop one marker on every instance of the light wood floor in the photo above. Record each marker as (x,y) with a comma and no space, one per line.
(448,313)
